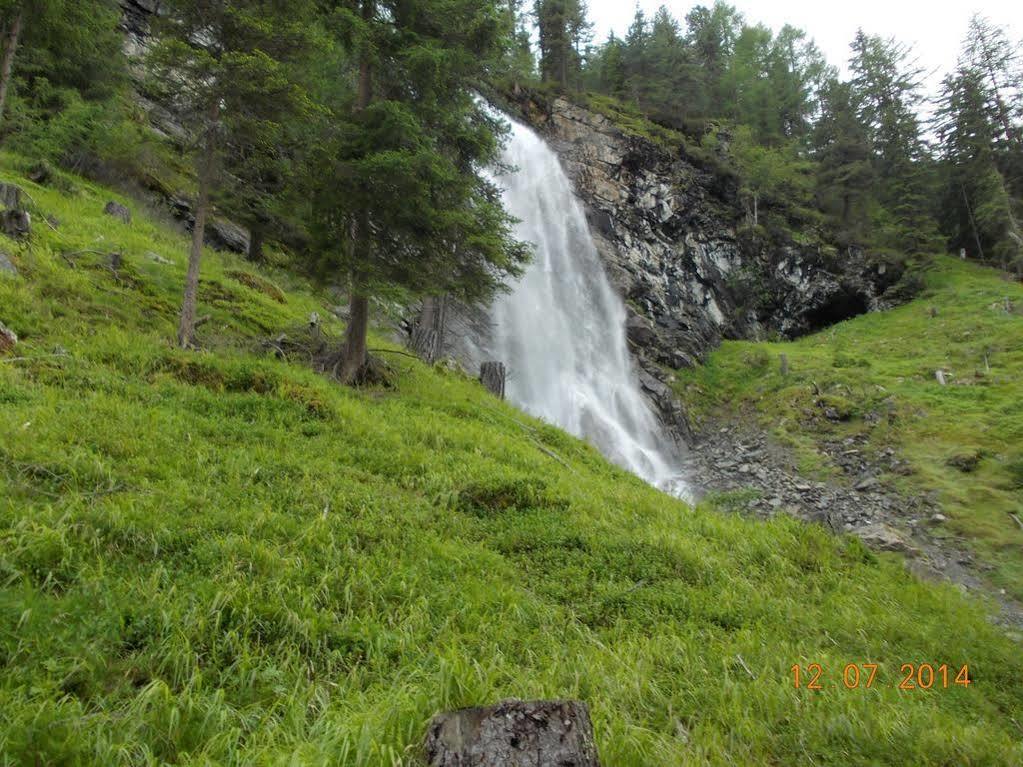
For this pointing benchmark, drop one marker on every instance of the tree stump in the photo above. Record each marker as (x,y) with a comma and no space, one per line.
(16,223)
(428,332)
(492,375)
(117,210)
(8,340)
(513,734)
(10,196)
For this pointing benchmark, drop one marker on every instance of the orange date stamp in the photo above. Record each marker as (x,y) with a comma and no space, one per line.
(864,676)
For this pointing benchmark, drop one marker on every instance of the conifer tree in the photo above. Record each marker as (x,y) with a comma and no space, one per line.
(74,43)
(221,64)
(564,33)
(398,202)
(886,89)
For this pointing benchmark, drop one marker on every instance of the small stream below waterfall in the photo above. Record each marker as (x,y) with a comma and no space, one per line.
(561,329)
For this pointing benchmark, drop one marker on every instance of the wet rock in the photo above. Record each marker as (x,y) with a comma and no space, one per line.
(639,330)
(665,229)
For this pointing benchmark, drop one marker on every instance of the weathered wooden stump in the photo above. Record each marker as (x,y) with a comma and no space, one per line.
(16,223)
(118,211)
(427,340)
(8,340)
(513,734)
(492,375)
(10,196)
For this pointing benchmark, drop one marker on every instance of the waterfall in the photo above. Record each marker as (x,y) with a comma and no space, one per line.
(561,329)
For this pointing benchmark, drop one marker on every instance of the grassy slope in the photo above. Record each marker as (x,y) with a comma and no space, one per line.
(224,558)
(884,365)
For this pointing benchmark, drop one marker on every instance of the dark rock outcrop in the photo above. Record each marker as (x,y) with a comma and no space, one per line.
(513,734)
(136,20)
(219,233)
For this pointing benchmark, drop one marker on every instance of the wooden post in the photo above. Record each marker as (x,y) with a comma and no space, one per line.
(492,375)
(784,365)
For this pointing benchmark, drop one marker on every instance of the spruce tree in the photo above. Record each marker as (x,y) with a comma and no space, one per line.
(398,201)
(220,64)
(886,89)
(66,43)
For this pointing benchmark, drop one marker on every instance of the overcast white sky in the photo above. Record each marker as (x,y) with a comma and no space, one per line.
(934,28)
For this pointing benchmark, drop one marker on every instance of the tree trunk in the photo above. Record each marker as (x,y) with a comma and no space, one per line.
(973,223)
(255,254)
(186,327)
(7,64)
(351,363)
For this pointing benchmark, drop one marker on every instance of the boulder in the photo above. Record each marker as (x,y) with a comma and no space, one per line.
(513,734)
(118,211)
(885,538)
(225,235)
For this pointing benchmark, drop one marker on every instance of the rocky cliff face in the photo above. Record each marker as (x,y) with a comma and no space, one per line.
(667,233)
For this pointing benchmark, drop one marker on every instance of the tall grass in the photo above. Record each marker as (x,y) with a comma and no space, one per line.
(223,558)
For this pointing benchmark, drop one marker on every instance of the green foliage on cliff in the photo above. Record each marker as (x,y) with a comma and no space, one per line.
(222,557)
(969,324)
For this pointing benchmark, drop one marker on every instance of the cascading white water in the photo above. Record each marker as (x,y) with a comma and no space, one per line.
(561,330)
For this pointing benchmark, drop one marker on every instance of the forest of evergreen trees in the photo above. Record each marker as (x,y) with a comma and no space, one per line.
(352,130)
(886,165)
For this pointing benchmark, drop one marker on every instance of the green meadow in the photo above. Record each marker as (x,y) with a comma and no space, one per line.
(221,557)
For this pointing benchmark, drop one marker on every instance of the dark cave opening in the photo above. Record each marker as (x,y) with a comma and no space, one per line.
(843,305)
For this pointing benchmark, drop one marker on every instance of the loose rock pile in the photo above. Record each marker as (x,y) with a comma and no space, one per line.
(860,502)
